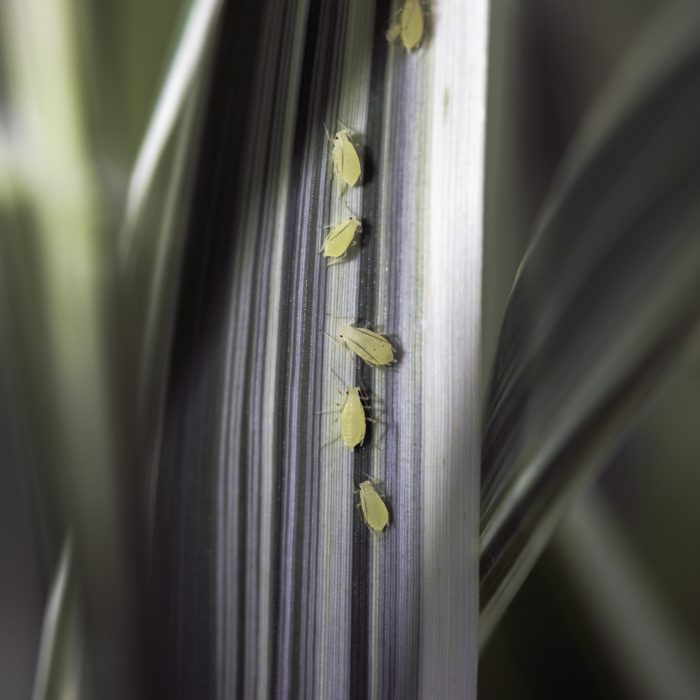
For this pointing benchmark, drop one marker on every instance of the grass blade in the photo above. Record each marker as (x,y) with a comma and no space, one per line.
(299,597)
(605,302)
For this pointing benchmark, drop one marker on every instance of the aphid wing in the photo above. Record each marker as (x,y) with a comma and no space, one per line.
(350,163)
(380,514)
(380,348)
(357,419)
(360,351)
(372,347)
(412,24)
(337,158)
(363,505)
(352,421)
(340,239)
(373,507)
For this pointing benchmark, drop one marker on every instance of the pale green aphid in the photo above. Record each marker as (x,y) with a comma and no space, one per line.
(353,423)
(373,348)
(410,27)
(341,237)
(346,162)
(374,509)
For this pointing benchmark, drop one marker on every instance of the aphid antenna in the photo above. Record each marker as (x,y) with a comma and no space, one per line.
(330,442)
(375,482)
(352,212)
(328,335)
(345,126)
(338,377)
(354,319)
(342,393)
(328,134)
(379,328)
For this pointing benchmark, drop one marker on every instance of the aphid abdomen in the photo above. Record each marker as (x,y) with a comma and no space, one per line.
(346,162)
(374,510)
(353,424)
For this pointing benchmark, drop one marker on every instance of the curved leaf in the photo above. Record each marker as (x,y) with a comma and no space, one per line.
(606,301)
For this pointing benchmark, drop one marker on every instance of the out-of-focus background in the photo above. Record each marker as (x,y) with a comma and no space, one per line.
(549,62)
(78,86)
(609,610)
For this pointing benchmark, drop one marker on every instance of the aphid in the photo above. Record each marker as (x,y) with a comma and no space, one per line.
(340,238)
(346,162)
(353,423)
(374,509)
(410,26)
(373,348)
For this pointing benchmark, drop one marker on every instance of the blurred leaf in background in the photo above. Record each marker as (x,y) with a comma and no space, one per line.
(172,519)
(603,607)
(78,84)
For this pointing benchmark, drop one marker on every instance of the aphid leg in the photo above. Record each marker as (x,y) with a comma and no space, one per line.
(378,421)
(363,395)
(377,436)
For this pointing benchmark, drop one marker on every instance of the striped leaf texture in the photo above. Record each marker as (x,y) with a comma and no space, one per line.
(266,581)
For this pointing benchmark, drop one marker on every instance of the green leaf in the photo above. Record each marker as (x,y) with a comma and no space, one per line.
(606,302)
